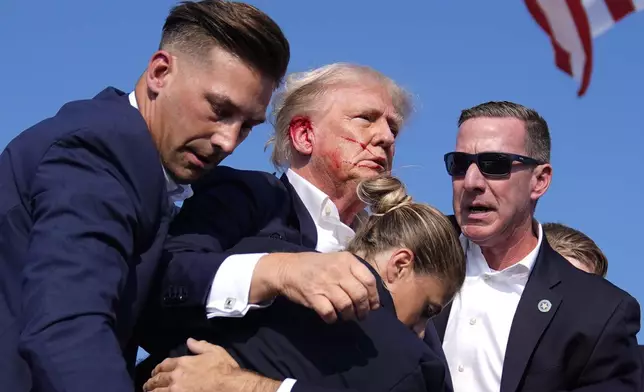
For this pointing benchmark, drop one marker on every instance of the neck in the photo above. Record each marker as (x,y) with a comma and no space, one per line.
(342,194)
(146,107)
(514,247)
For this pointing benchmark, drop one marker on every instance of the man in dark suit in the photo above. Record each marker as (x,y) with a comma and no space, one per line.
(86,196)
(326,146)
(525,319)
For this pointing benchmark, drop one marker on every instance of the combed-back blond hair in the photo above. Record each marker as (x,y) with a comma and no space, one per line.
(397,221)
(301,96)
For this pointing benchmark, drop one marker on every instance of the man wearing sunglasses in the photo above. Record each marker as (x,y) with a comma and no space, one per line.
(525,319)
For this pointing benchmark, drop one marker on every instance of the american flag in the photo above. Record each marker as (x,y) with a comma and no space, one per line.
(573,24)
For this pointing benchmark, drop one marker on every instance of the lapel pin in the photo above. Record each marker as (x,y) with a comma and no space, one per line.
(544,306)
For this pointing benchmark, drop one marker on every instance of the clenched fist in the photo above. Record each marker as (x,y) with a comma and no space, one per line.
(329,283)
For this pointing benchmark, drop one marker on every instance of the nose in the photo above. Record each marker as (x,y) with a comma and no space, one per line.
(384,136)
(226,137)
(474,180)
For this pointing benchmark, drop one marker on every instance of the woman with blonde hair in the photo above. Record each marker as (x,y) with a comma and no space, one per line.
(415,255)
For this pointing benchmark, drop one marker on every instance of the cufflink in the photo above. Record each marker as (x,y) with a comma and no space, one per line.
(230,302)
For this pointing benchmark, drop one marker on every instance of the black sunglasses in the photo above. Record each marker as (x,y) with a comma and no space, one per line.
(491,164)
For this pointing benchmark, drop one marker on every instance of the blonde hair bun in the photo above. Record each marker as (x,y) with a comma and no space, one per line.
(383,194)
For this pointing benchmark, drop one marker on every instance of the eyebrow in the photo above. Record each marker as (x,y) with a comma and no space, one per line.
(224,101)
(395,121)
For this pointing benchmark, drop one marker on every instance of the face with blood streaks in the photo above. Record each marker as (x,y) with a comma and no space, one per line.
(352,136)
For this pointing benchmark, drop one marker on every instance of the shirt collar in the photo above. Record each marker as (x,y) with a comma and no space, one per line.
(476,264)
(317,203)
(176,192)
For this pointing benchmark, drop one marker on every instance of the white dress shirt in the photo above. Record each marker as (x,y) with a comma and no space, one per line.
(479,322)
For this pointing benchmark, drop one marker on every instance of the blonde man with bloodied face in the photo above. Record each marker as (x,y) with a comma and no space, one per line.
(334,127)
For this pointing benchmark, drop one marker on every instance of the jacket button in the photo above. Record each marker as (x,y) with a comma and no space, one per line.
(276,236)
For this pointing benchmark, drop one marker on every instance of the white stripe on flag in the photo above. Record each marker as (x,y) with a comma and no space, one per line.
(565,33)
(599,16)
(639,4)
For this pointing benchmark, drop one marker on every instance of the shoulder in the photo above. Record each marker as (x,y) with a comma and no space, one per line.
(590,293)
(225,175)
(398,350)
(105,138)
(109,121)
(246,186)
(106,126)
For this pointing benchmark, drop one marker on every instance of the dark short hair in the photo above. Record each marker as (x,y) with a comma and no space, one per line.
(569,242)
(195,27)
(537,144)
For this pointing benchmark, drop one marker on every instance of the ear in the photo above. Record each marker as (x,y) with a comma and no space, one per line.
(400,266)
(160,68)
(300,130)
(541,179)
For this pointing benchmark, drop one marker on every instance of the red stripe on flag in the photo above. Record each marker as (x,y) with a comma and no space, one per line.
(580,18)
(619,8)
(562,57)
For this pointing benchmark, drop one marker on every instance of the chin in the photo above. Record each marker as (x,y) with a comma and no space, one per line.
(366,173)
(477,233)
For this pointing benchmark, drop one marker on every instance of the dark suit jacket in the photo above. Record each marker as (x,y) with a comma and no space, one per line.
(82,220)
(290,340)
(586,342)
(228,206)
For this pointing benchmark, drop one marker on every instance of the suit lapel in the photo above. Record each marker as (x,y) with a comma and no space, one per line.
(306,225)
(535,311)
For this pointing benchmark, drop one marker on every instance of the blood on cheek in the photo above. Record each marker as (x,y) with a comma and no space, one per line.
(363,145)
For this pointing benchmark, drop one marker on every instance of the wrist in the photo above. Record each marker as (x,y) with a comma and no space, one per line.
(267,277)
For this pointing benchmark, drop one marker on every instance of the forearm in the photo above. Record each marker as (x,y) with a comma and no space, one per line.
(266,280)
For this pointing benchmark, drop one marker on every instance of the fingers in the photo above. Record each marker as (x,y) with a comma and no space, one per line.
(323,308)
(168,365)
(161,380)
(368,281)
(342,303)
(358,295)
(200,346)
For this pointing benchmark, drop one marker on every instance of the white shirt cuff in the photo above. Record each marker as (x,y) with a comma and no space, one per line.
(230,289)
(286,385)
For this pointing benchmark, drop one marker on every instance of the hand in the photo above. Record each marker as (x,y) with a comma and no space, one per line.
(206,371)
(329,283)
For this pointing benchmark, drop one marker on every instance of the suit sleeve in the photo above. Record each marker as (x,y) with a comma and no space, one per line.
(82,236)
(219,215)
(615,363)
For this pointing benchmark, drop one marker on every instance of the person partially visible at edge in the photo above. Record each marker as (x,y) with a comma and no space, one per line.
(86,195)
(334,127)
(576,247)
(525,318)
(414,254)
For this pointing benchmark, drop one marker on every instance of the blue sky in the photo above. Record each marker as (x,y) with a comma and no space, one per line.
(449,54)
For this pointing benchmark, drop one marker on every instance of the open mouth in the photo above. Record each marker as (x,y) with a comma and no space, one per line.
(479,209)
